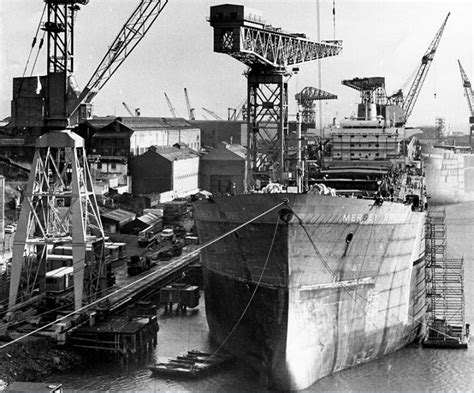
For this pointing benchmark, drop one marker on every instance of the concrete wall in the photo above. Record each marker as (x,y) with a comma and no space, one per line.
(215,131)
(185,175)
(214,174)
(140,141)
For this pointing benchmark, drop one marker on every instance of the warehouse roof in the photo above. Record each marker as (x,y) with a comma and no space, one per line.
(119,215)
(174,153)
(149,218)
(142,123)
(225,151)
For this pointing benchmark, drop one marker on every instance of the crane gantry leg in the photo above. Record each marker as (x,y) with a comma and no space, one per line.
(267,122)
(59,209)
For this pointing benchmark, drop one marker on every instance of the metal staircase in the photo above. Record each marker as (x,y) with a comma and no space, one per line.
(445,288)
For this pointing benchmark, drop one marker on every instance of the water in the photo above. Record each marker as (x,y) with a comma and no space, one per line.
(412,369)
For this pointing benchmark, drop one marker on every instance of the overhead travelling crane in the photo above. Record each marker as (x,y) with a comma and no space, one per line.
(306,98)
(191,114)
(408,102)
(466,83)
(170,106)
(269,53)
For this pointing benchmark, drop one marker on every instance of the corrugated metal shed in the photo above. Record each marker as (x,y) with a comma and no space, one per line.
(149,218)
(118,215)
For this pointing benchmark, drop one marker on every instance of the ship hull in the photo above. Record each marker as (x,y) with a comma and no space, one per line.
(338,282)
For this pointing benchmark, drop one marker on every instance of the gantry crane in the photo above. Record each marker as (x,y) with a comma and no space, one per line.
(466,83)
(59,207)
(213,114)
(191,114)
(269,53)
(170,106)
(306,98)
(407,103)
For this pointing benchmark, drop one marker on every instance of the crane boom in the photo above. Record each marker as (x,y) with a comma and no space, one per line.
(426,60)
(467,89)
(188,105)
(127,39)
(170,105)
(213,114)
(128,109)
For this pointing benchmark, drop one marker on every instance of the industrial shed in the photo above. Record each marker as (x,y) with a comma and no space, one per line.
(223,170)
(114,220)
(164,169)
(140,223)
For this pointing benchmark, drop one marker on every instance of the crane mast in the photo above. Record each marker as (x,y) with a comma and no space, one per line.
(130,35)
(466,83)
(213,114)
(170,106)
(426,60)
(188,105)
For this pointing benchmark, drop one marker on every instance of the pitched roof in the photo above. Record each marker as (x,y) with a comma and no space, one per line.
(149,218)
(119,215)
(226,152)
(174,153)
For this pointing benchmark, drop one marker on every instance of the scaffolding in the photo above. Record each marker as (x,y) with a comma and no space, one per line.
(445,288)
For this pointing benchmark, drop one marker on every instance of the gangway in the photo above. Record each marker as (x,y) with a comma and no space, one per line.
(445,288)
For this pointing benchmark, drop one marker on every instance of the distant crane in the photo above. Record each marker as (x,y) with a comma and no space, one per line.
(127,39)
(306,99)
(466,83)
(409,101)
(213,114)
(135,113)
(188,105)
(170,105)
(235,113)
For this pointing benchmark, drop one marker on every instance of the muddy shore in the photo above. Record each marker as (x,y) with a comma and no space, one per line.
(33,359)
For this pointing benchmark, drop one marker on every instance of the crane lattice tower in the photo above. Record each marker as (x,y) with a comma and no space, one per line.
(269,53)
(59,209)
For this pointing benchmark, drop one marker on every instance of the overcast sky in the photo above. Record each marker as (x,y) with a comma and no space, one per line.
(380,38)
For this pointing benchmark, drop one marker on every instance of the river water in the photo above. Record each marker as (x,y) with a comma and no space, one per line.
(411,369)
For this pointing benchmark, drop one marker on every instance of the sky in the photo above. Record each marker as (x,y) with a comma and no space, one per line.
(380,38)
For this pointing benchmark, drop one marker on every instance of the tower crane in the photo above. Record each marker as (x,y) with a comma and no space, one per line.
(188,105)
(409,101)
(269,53)
(466,83)
(306,99)
(213,114)
(170,105)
